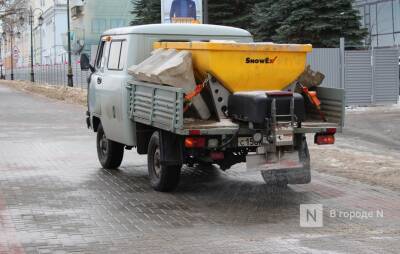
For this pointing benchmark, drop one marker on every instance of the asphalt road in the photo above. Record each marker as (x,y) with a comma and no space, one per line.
(55,198)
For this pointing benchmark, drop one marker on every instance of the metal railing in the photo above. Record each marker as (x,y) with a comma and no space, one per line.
(55,74)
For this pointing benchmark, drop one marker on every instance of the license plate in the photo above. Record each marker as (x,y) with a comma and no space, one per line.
(248,141)
(284,138)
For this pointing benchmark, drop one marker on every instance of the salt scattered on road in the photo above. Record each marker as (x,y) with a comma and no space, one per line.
(351,109)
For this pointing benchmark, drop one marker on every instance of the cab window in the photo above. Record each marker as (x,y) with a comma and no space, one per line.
(102,55)
(99,56)
(117,55)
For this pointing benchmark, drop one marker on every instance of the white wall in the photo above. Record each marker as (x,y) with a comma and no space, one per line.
(48,44)
(98,16)
(54,26)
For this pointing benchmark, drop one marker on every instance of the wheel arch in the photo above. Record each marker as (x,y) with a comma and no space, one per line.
(143,135)
(95,123)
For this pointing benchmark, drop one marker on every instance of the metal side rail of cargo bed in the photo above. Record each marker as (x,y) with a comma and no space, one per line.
(163,107)
(333,104)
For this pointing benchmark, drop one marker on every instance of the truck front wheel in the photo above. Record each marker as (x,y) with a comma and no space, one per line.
(162,178)
(110,153)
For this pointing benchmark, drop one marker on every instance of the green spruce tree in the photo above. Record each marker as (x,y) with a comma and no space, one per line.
(237,13)
(321,23)
(146,12)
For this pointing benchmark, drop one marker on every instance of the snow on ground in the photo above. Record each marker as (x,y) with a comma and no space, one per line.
(373,108)
(367,150)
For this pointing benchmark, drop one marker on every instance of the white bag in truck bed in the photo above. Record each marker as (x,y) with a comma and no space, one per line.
(174,68)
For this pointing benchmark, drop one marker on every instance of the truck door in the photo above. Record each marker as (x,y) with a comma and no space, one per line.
(113,84)
(96,80)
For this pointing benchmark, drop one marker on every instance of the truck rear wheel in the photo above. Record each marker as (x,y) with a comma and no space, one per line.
(162,178)
(110,153)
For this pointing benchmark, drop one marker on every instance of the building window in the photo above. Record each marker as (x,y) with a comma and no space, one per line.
(396,15)
(99,25)
(117,23)
(367,18)
(382,19)
(373,20)
(384,16)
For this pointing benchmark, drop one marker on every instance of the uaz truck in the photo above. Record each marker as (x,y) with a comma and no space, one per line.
(258,111)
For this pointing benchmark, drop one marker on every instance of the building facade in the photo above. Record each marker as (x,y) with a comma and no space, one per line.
(13,42)
(90,18)
(48,45)
(382,19)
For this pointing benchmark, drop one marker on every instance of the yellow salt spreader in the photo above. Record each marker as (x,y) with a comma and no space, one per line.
(246,66)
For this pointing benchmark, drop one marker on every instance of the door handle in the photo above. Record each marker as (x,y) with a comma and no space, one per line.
(99,81)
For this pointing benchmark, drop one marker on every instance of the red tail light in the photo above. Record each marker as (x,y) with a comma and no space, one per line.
(194,132)
(324,139)
(191,142)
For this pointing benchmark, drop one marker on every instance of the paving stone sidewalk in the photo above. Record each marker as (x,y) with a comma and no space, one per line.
(55,198)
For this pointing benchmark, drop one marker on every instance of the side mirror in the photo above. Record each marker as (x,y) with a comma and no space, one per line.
(85,63)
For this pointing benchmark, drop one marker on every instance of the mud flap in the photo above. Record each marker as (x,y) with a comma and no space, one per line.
(287,176)
(171,150)
(292,168)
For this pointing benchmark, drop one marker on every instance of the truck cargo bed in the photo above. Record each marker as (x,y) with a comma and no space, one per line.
(317,126)
(163,107)
(210,127)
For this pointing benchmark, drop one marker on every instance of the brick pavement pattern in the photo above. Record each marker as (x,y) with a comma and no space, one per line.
(55,198)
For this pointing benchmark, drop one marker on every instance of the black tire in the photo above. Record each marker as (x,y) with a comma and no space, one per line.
(162,178)
(109,153)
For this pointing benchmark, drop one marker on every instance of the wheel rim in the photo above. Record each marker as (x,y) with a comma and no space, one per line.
(103,145)
(157,163)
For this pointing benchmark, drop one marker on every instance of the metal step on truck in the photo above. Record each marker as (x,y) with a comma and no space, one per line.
(202,94)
